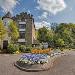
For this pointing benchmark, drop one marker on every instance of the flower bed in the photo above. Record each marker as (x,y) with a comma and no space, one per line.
(34,62)
(36,51)
(34,58)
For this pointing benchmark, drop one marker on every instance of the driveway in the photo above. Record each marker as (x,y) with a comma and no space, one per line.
(62,66)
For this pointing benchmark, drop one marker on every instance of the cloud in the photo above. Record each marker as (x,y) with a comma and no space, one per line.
(41,24)
(43,16)
(8,5)
(51,6)
(71,8)
(29,11)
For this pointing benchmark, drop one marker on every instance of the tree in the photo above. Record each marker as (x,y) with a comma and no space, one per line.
(60,42)
(3,31)
(66,32)
(13,31)
(62,35)
(50,38)
(46,35)
(42,34)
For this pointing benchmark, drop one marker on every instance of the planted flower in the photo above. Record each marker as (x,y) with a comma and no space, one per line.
(34,58)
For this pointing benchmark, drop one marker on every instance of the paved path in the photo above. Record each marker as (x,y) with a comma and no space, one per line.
(63,66)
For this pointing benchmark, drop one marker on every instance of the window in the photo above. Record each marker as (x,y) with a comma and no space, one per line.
(5,23)
(22,34)
(22,26)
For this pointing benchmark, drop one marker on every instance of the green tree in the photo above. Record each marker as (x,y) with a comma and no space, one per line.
(13,31)
(63,35)
(66,32)
(60,42)
(3,31)
(50,38)
(43,34)
(46,35)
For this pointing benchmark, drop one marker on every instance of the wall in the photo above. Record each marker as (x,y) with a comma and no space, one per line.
(28,34)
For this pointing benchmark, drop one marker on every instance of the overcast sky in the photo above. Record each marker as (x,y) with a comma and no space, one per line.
(44,11)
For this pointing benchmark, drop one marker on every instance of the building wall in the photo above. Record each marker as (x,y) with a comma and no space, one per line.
(28,32)
(22,30)
(6,38)
(29,29)
(33,33)
(6,22)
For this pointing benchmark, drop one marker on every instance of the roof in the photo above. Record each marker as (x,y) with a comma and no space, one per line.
(8,15)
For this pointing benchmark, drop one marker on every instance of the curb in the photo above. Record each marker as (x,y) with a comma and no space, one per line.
(30,70)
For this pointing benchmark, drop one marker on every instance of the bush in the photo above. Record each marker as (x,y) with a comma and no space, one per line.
(22,48)
(25,49)
(28,49)
(12,48)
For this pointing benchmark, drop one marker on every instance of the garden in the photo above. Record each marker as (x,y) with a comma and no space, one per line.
(33,62)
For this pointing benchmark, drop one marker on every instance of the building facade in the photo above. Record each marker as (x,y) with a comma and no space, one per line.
(6,20)
(26,28)
(25,23)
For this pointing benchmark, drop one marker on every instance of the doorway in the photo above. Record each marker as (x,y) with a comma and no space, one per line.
(5,44)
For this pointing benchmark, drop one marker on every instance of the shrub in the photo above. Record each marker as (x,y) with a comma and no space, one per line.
(22,48)
(17,52)
(28,49)
(25,49)
(12,48)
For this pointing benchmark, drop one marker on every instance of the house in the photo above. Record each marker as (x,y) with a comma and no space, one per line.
(6,19)
(26,28)
(25,23)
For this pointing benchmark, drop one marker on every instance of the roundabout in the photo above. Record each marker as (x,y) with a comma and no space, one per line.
(34,62)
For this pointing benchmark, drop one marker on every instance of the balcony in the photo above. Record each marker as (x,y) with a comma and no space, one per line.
(22,22)
(21,40)
(21,29)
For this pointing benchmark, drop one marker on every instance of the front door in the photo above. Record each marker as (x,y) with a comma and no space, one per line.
(5,44)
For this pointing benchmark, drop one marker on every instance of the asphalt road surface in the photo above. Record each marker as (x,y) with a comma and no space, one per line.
(62,66)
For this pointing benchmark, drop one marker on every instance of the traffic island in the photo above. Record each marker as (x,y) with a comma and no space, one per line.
(34,62)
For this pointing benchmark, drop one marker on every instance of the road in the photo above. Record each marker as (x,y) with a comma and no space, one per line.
(62,66)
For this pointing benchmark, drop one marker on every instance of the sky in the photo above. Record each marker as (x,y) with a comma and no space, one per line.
(44,12)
